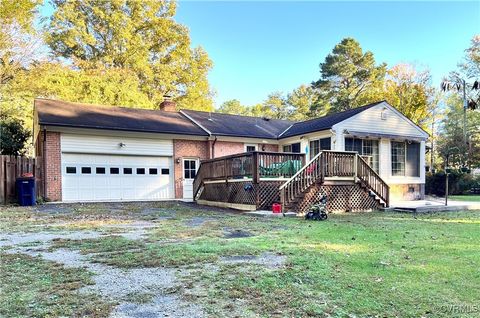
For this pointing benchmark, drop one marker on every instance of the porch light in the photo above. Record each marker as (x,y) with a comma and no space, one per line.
(121,144)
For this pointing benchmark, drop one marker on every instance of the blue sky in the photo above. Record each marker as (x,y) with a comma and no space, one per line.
(261,47)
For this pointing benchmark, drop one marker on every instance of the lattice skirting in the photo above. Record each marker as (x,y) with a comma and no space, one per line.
(263,195)
(243,192)
(268,194)
(340,198)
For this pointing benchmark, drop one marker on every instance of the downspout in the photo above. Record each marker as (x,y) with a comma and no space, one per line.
(213,148)
(44,163)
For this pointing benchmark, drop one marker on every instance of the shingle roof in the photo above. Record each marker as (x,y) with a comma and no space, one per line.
(323,123)
(239,126)
(187,122)
(67,114)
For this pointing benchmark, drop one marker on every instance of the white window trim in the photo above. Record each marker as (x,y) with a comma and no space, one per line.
(250,145)
(193,159)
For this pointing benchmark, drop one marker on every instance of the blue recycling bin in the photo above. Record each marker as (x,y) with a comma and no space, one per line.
(26,191)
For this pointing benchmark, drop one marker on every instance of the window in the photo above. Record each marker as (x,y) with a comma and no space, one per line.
(140,170)
(398,158)
(165,171)
(71,170)
(100,170)
(189,168)
(367,148)
(153,171)
(86,170)
(127,170)
(292,148)
(319,144)
(412,168)
(114,170)
(250,148)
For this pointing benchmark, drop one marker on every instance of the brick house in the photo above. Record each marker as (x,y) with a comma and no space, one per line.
(97,153)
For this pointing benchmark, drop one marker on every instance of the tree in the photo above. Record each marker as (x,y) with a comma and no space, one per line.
(451,137)
(18,43)
(349,78)
(410,92)
(234,107)
(13,137)
(471,64)
(301,100)
(140,36)
(276,106)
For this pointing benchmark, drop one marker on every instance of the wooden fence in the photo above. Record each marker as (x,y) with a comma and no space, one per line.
(12,167)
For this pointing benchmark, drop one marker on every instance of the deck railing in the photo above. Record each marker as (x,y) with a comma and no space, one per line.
(333,164)
(254,165)
(372,180)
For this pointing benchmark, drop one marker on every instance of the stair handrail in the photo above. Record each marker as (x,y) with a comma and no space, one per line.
(300,171)
(384,195)
(198,180)
(287,192)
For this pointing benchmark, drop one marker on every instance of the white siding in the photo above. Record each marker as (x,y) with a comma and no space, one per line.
(371,121)
(74,143)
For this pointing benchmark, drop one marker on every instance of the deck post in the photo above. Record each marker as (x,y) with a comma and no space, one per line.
(355,167)
(255,172)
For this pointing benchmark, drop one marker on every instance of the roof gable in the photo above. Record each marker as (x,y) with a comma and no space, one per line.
(394,123)
(323,123)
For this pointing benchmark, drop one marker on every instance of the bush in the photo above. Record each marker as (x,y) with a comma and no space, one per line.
(458,183)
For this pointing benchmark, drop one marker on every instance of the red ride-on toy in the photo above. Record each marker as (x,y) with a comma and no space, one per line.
(318,212)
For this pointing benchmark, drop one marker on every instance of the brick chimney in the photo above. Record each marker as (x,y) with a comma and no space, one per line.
(168,105)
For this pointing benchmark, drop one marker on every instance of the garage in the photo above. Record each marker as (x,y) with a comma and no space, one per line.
(113,170)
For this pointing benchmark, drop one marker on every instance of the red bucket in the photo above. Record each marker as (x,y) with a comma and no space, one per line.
(276,208)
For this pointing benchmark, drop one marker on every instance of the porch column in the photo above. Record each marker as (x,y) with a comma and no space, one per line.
(339,139)
(385,159)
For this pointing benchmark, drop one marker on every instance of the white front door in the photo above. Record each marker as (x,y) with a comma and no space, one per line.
(190,167)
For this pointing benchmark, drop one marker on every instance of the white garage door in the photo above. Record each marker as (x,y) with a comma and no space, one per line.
(88,177)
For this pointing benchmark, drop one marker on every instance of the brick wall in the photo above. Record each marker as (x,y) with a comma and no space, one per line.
(53,164)
(226,148)
(268,147)
(186,149)
(407,191)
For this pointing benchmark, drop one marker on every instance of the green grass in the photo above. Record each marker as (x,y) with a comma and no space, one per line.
(473,198)
(360,264)
(32,287)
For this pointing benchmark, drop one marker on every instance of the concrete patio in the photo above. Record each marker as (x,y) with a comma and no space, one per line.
(432,204)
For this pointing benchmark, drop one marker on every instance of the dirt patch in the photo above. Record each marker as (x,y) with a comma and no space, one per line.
(236,233)
(161,306)
(198,221)
(269,260)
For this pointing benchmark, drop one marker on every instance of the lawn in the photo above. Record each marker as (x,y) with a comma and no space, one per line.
(473,198)
(352,265)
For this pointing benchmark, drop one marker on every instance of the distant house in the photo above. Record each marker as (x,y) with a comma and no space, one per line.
(94,153)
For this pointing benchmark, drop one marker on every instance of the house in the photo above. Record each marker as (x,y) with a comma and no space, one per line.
(96,153)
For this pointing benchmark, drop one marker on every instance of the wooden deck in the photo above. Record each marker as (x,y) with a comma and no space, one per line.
(256,180)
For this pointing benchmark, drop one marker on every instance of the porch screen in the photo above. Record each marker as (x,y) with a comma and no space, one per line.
(292,148)
(405,159)
(365,147)
(413,160)
(319,144)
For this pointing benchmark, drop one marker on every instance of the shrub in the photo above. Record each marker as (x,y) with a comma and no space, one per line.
(458,183)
